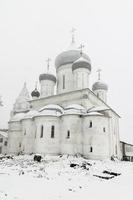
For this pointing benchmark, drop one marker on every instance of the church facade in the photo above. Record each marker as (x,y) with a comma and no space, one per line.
(73,120)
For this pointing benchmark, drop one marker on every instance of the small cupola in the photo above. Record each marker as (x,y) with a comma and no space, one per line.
(47,82)
(100,88)
(35,93)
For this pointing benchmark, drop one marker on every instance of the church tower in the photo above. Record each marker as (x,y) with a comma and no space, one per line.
(63,64)
(47,82)
(100,88)
(81,69)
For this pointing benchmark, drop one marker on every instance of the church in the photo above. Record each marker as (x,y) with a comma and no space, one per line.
(65,116)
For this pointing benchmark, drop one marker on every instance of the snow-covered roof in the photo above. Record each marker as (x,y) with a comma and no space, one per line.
(52,107)
(75,106)
(4,134)
(31,114)
(97,108)
(94,113)
(17,117)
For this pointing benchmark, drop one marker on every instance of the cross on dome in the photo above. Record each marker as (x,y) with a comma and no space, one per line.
(99,73)
(48,61)
(73,34)
(81,49)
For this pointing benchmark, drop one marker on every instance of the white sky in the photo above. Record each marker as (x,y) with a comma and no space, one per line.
(31,31)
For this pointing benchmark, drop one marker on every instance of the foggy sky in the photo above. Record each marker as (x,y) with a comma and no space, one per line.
(31,31)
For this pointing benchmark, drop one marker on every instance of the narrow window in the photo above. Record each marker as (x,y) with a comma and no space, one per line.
(91,149)
(98,95)
(5,143)
(25,132)
(90,126)
(1,140)
(52,131)
(41,136)
(20,145)
(68,134)
(104,129)
(63,81)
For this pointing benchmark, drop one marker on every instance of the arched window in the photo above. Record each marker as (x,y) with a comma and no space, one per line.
(25,132)
(52,131)
(91,149)
(90,126)
(41,136)
(104,129)
(63,81)
(68,134)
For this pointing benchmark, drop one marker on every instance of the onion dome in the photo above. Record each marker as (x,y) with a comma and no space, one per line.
(35,93)
(50,77)
(81,63)
(69,56)
(99,85)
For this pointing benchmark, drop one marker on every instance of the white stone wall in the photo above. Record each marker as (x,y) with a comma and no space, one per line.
(94,137)
(71,145)
(81,78)
(28,135)
(102,94)
(14,137)
(65,70)
(47,88)
(46,144)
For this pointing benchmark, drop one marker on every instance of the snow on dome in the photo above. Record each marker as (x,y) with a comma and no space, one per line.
(69,56)
(52,107)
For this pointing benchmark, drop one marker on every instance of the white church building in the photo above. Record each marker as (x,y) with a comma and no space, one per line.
(73,120)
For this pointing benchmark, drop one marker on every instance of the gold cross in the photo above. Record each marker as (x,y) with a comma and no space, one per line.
(99,73)
(48,61)
(73,35)
(81,49)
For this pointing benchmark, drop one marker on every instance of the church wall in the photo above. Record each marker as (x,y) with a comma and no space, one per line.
(102,94)
(28,135)
(46,144)
(114,135)
(14,137)
(47,88)
(72,144)
(96,138)
(81,78)
(64,72)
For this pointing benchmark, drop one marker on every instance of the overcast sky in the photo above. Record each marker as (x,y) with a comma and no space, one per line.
(32,30)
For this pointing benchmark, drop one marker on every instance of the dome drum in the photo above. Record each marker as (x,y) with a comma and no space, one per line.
(47,77)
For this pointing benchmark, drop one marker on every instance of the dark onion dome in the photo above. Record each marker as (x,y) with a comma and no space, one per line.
(35,93)
(81,63)
(69,56)
(99,86)
(47,77)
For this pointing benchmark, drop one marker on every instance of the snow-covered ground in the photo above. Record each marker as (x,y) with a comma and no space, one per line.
(54,179)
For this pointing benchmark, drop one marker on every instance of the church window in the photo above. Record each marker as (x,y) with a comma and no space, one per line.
(41,136)
(20,145)
(5,143)
(98,95)
(68,134)
(91,149)
(90,126)
(1,140)
(25,132)
(63,81)
(104,129)
(52,131)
